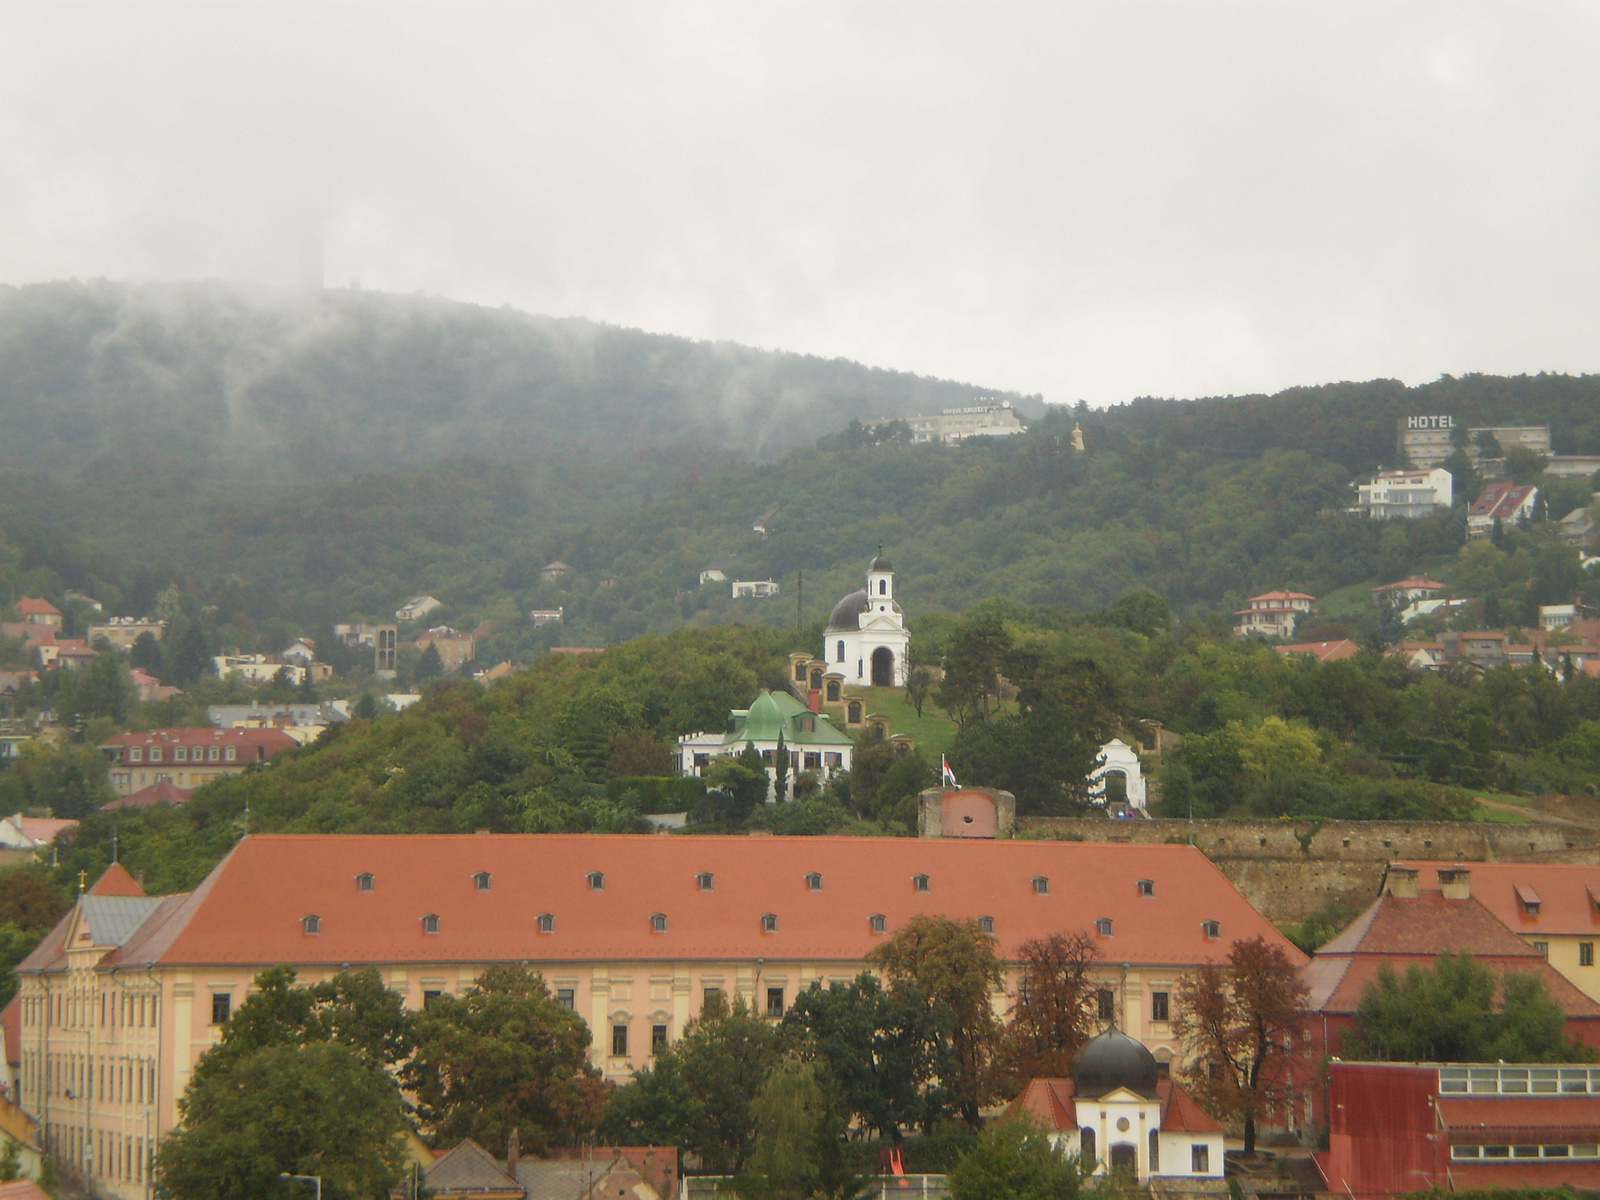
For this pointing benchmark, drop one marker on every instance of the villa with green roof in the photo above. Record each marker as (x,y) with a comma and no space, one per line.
(809,739)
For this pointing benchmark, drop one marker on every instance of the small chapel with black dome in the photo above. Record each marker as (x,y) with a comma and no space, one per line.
(866,640)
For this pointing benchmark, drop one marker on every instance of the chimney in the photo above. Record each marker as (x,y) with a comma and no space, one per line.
(1400,882)
(512,1153)
(1456,882)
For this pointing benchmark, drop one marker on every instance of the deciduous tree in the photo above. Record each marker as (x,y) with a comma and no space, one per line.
(1052,1017)
(1016,1160)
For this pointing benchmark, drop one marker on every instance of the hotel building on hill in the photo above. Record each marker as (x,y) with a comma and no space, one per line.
(631,932)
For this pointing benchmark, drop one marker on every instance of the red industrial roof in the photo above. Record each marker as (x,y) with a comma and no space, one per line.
(1565,894)
(250,908)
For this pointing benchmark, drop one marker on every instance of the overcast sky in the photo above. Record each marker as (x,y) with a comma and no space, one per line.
(1086,200)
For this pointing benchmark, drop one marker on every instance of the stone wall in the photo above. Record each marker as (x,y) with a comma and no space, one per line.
(1291,869)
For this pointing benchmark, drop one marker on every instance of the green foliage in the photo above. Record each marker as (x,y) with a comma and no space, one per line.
(1014,1159)
(1447,1012)
(322,1109)
(11,1160)
(799,1152)
(66,780)
(504,1055)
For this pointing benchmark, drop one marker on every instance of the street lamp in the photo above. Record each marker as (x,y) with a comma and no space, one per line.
(314,1180)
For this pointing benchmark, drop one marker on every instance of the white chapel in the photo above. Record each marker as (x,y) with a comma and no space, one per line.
(866,640)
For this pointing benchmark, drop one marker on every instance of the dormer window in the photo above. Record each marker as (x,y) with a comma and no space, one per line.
(547,923)
(986,924)
(879,923)
(1147,887)
(365,882)
(180,754)
(1212,929)
(658,922)
(597,881)
(1103,926)
(230,754)
(481,881)
(1041,885)
(135,754)
(312,924)
(705,881)
(430,923)
(920,883)
(769,923)
(211,753)
(814,881)
(155,753)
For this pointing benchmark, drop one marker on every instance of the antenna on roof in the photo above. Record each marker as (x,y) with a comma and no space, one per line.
(113,841)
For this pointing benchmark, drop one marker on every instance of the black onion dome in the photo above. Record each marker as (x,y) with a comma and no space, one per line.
(881,564)
(847,613)
(1114,1060)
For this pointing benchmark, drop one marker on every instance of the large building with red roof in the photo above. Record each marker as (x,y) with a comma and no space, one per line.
(187,757)
(1273,614)
(632,932)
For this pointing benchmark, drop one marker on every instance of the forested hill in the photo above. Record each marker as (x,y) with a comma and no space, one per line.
(247,381)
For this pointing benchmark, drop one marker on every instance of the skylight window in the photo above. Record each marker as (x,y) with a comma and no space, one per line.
(1041,885)
(879,923)
(1147,887)
(986,924)
(312,924)
(1212,929)
(1103,926)
(658,922)
(769,923)
(547,923)
(814,881)
(705,881)
(920,883)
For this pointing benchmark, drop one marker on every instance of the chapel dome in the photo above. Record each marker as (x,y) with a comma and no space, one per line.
(1114,1060)
(881,564)
(847,613)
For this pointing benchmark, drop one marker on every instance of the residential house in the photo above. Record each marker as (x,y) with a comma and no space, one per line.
(1577,528)
(1424,656)
(631,932)
(1409,924)
(1504,503)
(59,653)
(14,735)
(163,791)
(754,589)
(716,572)
(188,757)
(1443,609)
(258,668)
(469,1172)
(11,682)
(1272,614)
(416,608)
(1407,591)
(151,688)
(302,722)
(1485,1128)
(499,671)
(122,632)
(1120,1112)
(35,611)
(1405,494)
(455,648)
(554,572)
(810,741)
(30,839)
(1321,652)
(1562,616)
(88,602)
(302,651)
(547,616)
(764,523)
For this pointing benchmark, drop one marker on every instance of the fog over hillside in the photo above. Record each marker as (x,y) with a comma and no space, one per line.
(294,383)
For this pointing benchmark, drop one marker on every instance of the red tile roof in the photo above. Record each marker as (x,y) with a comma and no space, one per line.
(1281,596)
(45,830)
(1566,894)
(34,606)
(1054,1103)
(249,909)
(265,741)
(116,882)
(1500,500)
(163,791)
(1412,582)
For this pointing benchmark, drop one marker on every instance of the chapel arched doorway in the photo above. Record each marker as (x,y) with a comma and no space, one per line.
(883,667)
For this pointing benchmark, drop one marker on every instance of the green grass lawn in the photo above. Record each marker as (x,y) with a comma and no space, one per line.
(1501,816)
(933,730)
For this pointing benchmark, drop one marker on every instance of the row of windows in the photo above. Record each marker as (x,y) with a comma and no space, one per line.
(183,754)
(75,1077)
(1559,1150)
(109,1155)
(133,1010)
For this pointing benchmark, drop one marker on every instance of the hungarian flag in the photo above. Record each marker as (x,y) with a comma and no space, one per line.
(949,775)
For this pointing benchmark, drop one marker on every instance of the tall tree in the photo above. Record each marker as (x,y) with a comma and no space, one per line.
(953,963)
(885,1052)
(1015,1159)
(972,660)
(1053,1015)
(1238,1021)
(799,1134)
(321,1109)
(502,1056)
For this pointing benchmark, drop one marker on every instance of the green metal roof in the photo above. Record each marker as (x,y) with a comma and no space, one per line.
(771,712)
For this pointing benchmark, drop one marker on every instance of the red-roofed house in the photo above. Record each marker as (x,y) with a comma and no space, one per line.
(1407,590)
(1504,502)
(1272,614)
(151,688)
(187,757)
(631,932)
(35,611)
(163,791)
(1321,652)
(1408,1127)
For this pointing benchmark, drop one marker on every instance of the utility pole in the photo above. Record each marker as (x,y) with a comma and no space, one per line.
(799,599)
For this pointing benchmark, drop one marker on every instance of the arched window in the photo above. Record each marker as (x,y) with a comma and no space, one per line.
(814,881)
(1147,887)
(312,924)
(839,652)
(1155,1151)
(705,881)
(547,923)
(364,881)
(1103,926)
(1213,929)
(769,923)
(879,923)
(430,923)
(597,881)
(986,924)
(855,712)
(799,672)
(1041,885)
(481,881)
(833,690)
(883,587)
(1086,1143)
(658,922)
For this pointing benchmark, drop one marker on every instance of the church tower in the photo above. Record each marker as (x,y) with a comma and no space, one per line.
(866,640)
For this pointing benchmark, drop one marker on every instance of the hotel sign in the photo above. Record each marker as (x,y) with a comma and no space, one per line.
(1444,422)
